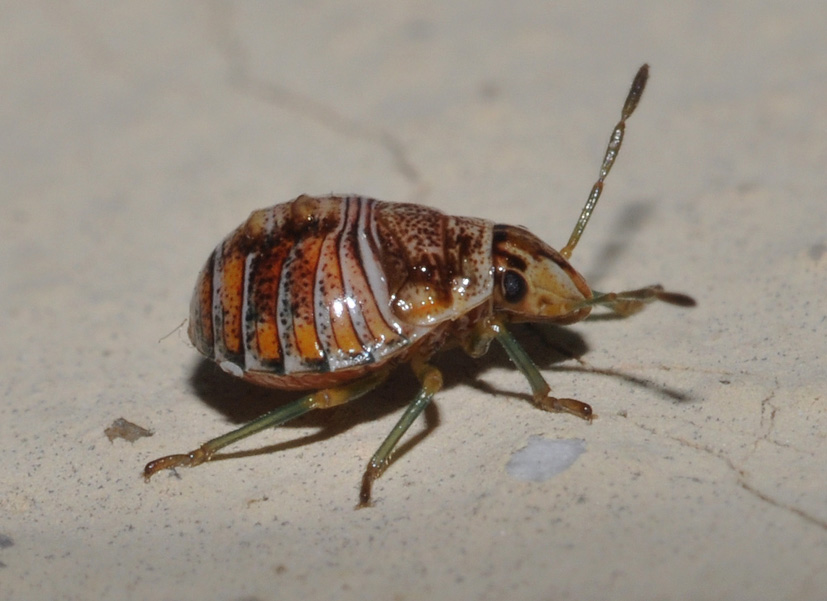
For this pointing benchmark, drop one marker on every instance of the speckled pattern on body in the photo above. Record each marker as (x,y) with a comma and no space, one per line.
(331,285)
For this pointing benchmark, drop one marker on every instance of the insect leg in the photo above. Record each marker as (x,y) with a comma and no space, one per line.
(539,386)
(322,399)
(630,302)
(431,379)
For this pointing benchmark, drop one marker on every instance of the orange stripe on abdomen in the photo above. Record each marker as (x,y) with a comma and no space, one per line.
(264,272)
(302,288)
(232,283)
(296,322)
(333,323)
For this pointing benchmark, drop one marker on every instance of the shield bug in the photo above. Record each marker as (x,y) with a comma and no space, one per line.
(331,293)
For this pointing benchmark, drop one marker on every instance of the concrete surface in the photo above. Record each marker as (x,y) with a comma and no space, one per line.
(136,134)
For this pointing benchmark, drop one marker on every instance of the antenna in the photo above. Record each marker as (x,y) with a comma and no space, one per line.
(612,149)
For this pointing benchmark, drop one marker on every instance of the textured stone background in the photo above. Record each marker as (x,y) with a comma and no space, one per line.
(136,134)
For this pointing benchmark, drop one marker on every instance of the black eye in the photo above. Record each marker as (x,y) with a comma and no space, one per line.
(514,286)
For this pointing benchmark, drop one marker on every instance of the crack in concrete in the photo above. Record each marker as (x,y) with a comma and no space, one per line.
(769,411)
(767,422)
(240,78)
(741,476)
(102,56)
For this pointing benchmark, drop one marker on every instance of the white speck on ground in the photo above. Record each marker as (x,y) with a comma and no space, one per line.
(542,459)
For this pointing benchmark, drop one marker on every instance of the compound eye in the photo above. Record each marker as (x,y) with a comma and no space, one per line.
(514,286)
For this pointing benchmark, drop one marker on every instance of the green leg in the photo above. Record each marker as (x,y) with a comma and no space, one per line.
(431,380)
(323,399)
(629,302)
(539,387)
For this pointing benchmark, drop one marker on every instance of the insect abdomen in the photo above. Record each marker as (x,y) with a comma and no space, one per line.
(334,285)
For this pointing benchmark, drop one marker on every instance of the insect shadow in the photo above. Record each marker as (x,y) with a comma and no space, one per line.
(559,345)
(242,402)
(548,345)
(631,219)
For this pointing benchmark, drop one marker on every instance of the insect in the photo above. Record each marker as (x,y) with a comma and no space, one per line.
(331,293)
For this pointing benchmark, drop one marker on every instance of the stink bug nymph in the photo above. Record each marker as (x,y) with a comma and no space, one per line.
(331,293)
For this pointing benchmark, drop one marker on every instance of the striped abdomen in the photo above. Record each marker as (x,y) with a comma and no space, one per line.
(320,290)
